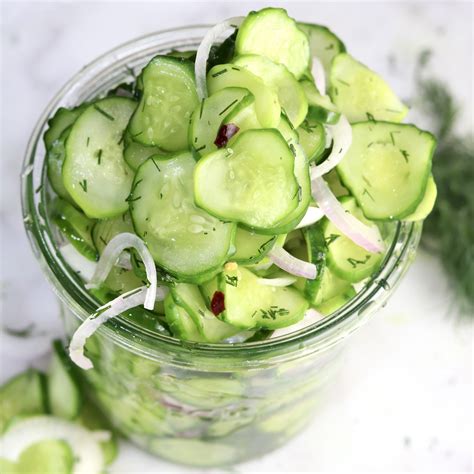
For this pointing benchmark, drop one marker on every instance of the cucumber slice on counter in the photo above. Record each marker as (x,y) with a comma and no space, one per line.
(94,171)
(270,32)
(76,227)
(345,258)
(64,396)
(266,100)
(24,394)
(361,94)
(184,240)
(290,93)
(387,168)
(208,117)
(323,43)
(254,180)
(169,98)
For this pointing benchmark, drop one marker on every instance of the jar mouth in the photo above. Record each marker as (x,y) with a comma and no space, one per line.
(104,73)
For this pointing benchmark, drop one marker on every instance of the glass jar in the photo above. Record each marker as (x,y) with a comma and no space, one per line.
(194,403)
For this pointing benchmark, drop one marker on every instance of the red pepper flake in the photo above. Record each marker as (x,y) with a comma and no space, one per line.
(226,132)
(217,303)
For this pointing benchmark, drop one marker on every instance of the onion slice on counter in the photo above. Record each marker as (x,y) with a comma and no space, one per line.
(113,308)
(204,49)
(292,265)
(282,281)
(319,75)
(341,134)
(109,258)
(84,443)
(367,237)
(313,215)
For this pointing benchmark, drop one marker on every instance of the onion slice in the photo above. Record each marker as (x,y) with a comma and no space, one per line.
(319,75)
(109,258)
(122,303)
(341,134)
(283,281)
(84,443)
(292,265)
(363,235)
(204,49)
(313,215)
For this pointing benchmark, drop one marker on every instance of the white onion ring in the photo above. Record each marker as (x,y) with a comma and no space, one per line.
(341,134)
(109,257)
(367,237)
(283,281)
(319,75)
(122,303)
(202,54)
(292,265)
(84,443)
(313,215)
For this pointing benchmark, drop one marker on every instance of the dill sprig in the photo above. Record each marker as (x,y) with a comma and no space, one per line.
(449,230)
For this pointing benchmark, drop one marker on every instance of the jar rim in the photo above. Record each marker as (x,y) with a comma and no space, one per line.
(319,335)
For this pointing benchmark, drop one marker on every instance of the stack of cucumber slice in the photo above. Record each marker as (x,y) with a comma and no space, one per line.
(215,185)
(47,424)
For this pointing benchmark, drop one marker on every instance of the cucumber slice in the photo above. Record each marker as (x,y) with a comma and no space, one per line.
(46,457)
(94,171)
(266,99)
(76,227)
(312,139)
(290,93)
(62,119)
(55,156)
(30,431)
(333,304)
(345,258)
(248,304)
(427,203)
(316,248)
(191,300)
(64,396)
(387,168)
(349,82)
(190,54)
(251,247)
(320,107)
(334,182)
(93,419)
(254,180)
(183,239)
(135,153)
(323,43)
(208,117)
(243,116)
(106,229)
(301,171)
(168,100)
(330,287)
(24,394)
(270,32)
(180,323)
(222,53)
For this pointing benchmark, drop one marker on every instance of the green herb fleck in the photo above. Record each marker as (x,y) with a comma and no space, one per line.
(104,113)
(229,106)
(218,73)
(231,280)
(99,156)
(354,262)
(83,185)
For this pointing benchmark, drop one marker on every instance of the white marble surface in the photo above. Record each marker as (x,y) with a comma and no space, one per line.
(404,398)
